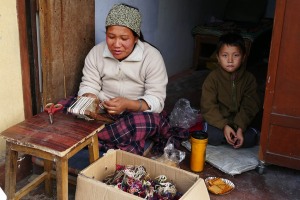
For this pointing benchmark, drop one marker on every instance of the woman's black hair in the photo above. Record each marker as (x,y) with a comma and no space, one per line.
(141,37)
(232,39)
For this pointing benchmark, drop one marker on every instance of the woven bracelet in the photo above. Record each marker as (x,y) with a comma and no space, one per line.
(140,107)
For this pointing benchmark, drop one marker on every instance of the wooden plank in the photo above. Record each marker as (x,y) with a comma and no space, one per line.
(282,160)
(26,149)
(286,94)
(280,141)
(59,138)
(67,35)
(51,50)
(25,66)
(48,165)
(10,172)
(93,149)
(80,18)
(35,76)
(30,186)
(71,179)
(62,178)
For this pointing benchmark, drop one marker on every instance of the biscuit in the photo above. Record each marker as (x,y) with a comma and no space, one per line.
(216,181)
(218,186)
(215,189)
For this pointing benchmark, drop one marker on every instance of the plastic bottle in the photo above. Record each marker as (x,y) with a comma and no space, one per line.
(198,150)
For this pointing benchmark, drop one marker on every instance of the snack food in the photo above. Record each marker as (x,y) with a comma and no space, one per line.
(218,185)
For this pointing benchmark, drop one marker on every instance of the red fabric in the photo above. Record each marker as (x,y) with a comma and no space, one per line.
(198,126)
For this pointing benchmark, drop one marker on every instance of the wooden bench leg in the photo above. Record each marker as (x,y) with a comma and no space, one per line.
(94,149)
(62,178)
(48,181)
(10,171)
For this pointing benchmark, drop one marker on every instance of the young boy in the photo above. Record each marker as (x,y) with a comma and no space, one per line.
(229,100)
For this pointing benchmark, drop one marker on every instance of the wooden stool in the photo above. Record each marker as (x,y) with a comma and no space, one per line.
(55,142)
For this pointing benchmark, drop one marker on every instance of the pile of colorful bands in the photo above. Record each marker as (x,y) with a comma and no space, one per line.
(135,180)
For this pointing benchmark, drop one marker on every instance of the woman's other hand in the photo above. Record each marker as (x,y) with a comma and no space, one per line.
(116,105)
(120,104)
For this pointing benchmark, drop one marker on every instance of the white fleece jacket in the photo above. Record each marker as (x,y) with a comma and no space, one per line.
(142,75)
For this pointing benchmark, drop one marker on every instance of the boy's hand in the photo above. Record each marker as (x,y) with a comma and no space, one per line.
(239,139)
(230,135)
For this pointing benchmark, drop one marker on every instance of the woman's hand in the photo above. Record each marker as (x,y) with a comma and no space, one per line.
(116,105)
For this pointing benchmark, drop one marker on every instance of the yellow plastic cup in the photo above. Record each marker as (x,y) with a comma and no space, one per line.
(198,150)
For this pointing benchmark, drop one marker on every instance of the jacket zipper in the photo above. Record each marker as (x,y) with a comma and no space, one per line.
(234,92)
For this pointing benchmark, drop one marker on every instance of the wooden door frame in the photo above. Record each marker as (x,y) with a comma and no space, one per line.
(26,10)
(25,66)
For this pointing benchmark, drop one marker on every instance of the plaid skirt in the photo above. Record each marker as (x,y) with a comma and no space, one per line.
(131,130)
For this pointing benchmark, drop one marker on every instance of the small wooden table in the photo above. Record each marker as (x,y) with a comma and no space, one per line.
(55,142)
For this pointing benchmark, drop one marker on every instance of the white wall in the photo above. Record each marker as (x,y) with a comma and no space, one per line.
(11,101)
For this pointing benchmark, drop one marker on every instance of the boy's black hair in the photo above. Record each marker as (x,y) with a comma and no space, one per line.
(232,39)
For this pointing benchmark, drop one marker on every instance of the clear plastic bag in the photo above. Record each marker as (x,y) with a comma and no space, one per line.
(183,115)
(171,156)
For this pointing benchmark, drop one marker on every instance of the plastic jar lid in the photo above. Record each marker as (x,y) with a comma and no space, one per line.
(200,135)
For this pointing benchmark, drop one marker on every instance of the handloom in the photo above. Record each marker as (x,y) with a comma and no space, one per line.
(90,109)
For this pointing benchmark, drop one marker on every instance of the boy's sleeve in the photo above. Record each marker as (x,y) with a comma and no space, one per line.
(209,104)
(250,104)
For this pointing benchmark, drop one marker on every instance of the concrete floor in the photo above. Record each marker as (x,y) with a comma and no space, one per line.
(275,183)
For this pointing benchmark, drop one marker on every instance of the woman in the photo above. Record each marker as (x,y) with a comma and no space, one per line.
(129,77)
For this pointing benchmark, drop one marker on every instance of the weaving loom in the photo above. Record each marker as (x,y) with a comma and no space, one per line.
(89,109)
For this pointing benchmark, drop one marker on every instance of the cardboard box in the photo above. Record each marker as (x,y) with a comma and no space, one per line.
(89,185)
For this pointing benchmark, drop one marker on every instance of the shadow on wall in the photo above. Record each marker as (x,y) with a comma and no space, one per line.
(185,85)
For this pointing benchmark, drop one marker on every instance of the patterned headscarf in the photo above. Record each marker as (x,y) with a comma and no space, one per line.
(123,15)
